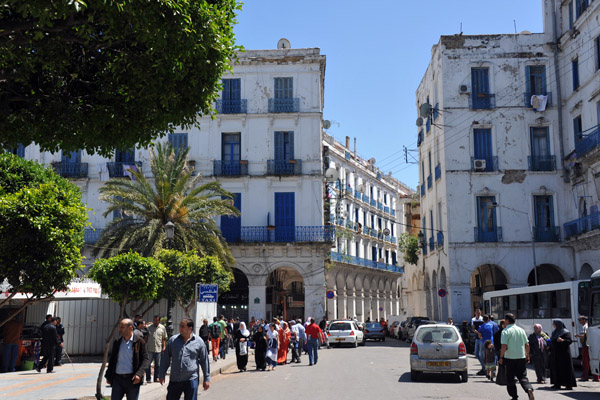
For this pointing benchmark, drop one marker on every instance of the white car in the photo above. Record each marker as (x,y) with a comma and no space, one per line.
(345,332)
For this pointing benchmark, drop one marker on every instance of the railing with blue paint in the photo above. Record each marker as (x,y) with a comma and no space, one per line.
(365,198)
(91,236)
(393,212)
(482,235)
(373,203)
(363,262)
(482,101)
(587,143)
(289,105)
(284,167)
(582,225)
(431,244)
(546,234)
(232,106)
(117,169)
(386,209)
(71,170)
(230,167)
(541,163)
(293,234)
(380,206)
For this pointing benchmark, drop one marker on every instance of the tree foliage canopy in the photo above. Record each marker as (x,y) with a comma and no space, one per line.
(174,196)
(42,221)
(409,245)
(99,75)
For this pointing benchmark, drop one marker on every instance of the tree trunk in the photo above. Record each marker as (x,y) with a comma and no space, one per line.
(149,307)
(106,348)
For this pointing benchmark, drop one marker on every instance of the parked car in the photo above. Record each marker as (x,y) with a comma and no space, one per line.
(393,328)
(438,348)
(407,325)
(374,331)
(468,336)
(345,332)
(412,328)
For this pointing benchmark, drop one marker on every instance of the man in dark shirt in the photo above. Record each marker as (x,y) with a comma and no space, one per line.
(60,331)
(49,342)
(47,321)
(323,326)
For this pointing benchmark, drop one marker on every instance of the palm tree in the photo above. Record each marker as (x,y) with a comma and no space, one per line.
(145,209)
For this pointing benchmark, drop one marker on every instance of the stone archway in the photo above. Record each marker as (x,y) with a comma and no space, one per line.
(285,294)
(486,278)
(234,303)
(586,271)
(546,273)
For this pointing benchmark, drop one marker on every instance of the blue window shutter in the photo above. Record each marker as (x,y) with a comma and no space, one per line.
(285,217)
(284,88)
(226,89)
(290,155)
(424,225)
(480,81)
(231,226)
(528,80)
(72,157)
(483,144)
(279,151)
(232,89)
(570,6)
(431,220)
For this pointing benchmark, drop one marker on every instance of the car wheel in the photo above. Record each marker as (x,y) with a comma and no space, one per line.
(383,340)
(464,376)
(356,344)
(414,376)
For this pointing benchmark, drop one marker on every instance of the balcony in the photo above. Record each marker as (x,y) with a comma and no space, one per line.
(429,182)
(488,164)
(357,194)
(230,167)
(483,236)
(373,203)
(423,190)
(284,167)
(588,143)
(440,239)
(582,225)
(71,170)
(363,262)
(393,240)
(284,105)
(527,99)
(482,101)
(542,163)
(91,236)
(365,198)
(380,206)
(438,172)
(393,212)
(119,169)
(546,234)
(232,106)
(386,209)
(287,234)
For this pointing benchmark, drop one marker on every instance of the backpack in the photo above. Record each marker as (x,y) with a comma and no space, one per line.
(215,331)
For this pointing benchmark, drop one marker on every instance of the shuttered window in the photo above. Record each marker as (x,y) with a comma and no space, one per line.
(178,140)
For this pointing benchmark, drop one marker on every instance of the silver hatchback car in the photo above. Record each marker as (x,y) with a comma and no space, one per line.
(438,348)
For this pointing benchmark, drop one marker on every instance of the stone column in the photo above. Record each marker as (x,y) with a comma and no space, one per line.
(351,313)
(360,305)
(367,307)
(257,301)
(375,306)
(341,303)
(314,303)
(459,302)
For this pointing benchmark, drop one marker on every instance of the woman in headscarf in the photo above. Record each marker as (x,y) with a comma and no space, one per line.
(273,343)
(284,343)
(538,345)
(561,363)
(240,338)
(260,349)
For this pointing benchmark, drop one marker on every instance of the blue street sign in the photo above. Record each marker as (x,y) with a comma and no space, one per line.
(208,293)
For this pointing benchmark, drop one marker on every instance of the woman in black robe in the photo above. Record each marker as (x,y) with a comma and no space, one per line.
(561,363)
(241,337)
(260,350)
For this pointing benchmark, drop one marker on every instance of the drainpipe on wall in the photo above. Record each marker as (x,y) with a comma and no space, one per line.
(558,94)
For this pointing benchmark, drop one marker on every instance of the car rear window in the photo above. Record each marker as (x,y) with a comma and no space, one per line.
(340,326)
(374,326)
(437,335)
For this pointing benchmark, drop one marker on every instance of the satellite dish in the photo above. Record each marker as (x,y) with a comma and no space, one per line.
(361,188)
(326,124)
(371,161)
(283,43)
(419,122)
(331,175)
(425,110)
(386,231)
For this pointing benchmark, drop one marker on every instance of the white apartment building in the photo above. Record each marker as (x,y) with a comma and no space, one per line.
(368,209)
(494,188)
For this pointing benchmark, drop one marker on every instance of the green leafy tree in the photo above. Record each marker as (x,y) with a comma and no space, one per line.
(99,75)
(125,278)
(409,245)
(42,221)
(146,208)
(186,269)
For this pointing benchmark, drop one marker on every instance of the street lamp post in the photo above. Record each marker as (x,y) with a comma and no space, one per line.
(169,228)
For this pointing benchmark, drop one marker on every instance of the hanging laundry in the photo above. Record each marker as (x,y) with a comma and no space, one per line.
(127,169)
(539,102)
(103,174)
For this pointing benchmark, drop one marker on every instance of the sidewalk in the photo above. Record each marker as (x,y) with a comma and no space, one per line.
(78,381)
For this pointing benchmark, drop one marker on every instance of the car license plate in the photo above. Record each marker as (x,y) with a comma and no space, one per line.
(340,339)
(438,363)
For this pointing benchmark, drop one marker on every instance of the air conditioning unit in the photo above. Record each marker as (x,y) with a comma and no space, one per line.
(463,88)
(479,165)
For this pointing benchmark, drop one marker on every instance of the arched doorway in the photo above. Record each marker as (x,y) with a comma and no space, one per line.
(546,273)
(586,271)
(486,278)
(285,294)
(234,303)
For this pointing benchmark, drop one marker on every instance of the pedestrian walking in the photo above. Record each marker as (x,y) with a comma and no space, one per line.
(514,357)
(301,337)
(185,353)
(294,341)
(60,331)
(284,344)
(323,327)
(241,338)
(224,338)
(12,335)
(273,343)
(539,342)
(476,322)
(498,338)
(585,350)
(127,363)
(49,343)
(47,321)
(484,333)
(313,333)
(260,348)
(489,357)
(156,344)
(215,337)
(561,363)
(204,332)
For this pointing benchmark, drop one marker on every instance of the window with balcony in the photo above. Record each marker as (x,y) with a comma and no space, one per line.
(545,230)
(487,229)
(231,226)
(231,98)
(483,160)
(230,163)
(541,159)
(124,162)
(577,128)
(285,217)
(71,166)
(481,98)
(536,95)
(284,162)
(284,100)
(178,141)
(570,10)
(581,6)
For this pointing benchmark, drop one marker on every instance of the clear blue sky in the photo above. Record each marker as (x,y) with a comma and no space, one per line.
(377,54)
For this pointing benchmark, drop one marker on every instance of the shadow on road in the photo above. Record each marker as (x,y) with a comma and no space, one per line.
(588,395)
(431,378)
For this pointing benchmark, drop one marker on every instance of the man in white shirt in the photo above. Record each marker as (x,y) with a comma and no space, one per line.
(476,322)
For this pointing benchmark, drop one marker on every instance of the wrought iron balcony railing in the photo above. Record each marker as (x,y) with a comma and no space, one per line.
(230,167)
(542,163)
(482,101)
(119,169)
(91,235)
(292,234)
(431,244)
(546,234)
(380,206)
(365,198)
(232,106)
(284,167)
(440,239)
(363,262)
(588,143)
(386,209)
(582,225)
(71,170)
(482,235)
(291,105)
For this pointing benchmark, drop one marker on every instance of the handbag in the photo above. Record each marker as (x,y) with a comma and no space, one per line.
(501,376)
(243,348)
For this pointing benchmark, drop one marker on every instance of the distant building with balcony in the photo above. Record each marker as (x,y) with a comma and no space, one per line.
(368,211)
(494,150)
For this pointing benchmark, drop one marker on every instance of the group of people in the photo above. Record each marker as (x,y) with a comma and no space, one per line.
(52,344)
(507,346)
